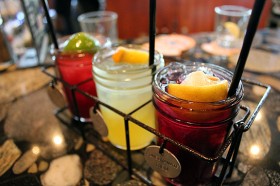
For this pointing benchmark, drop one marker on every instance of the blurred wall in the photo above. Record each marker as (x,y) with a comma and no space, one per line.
(180,16)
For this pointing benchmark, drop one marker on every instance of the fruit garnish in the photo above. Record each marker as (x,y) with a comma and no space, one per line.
(200,87)
(81,42)
(232,28)
(132,56)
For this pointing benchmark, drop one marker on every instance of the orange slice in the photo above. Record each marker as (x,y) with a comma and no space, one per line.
(200,87)
(132,56)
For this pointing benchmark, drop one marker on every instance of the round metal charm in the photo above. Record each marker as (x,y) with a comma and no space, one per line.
(98,122)
(164,163)
(56,95)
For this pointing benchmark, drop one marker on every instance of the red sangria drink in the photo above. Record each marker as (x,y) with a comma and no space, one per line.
(74,63)
(192,108)
(75,69)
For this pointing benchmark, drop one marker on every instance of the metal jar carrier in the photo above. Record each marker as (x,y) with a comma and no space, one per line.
(227,153)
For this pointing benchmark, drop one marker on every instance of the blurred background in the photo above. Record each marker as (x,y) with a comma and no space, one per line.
(178,16)
(172,16)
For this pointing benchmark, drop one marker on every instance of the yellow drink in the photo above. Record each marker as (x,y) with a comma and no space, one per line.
(125,87)
(139,137)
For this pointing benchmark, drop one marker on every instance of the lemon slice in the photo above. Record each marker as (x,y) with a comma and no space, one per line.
(132,56)
(232,28)
(200,87)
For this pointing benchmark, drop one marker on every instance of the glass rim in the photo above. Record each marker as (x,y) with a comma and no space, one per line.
(233,10)
(72,55)
(149,69)
(227,102)
(141,68)
(184,123)
(120,88)
(90,17)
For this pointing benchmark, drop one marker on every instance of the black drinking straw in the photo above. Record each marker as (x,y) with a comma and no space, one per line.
(250,33)
(152,31)
(50,24)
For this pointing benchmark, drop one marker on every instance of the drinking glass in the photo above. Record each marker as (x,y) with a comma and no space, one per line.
(231,24)
(202,126)
(125,87)
(75,69)
(101,24)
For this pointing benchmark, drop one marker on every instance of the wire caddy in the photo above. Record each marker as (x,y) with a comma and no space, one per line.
(227,153)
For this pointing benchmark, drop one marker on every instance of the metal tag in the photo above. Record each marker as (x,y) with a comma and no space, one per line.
(98,122)
(164,163)
(56,95)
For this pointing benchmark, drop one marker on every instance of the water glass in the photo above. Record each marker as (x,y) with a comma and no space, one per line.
(231,24)
(101,24)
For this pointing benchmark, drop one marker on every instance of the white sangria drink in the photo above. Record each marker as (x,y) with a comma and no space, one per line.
(123,80)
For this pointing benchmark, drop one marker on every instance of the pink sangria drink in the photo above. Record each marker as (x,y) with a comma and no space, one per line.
(201,125)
